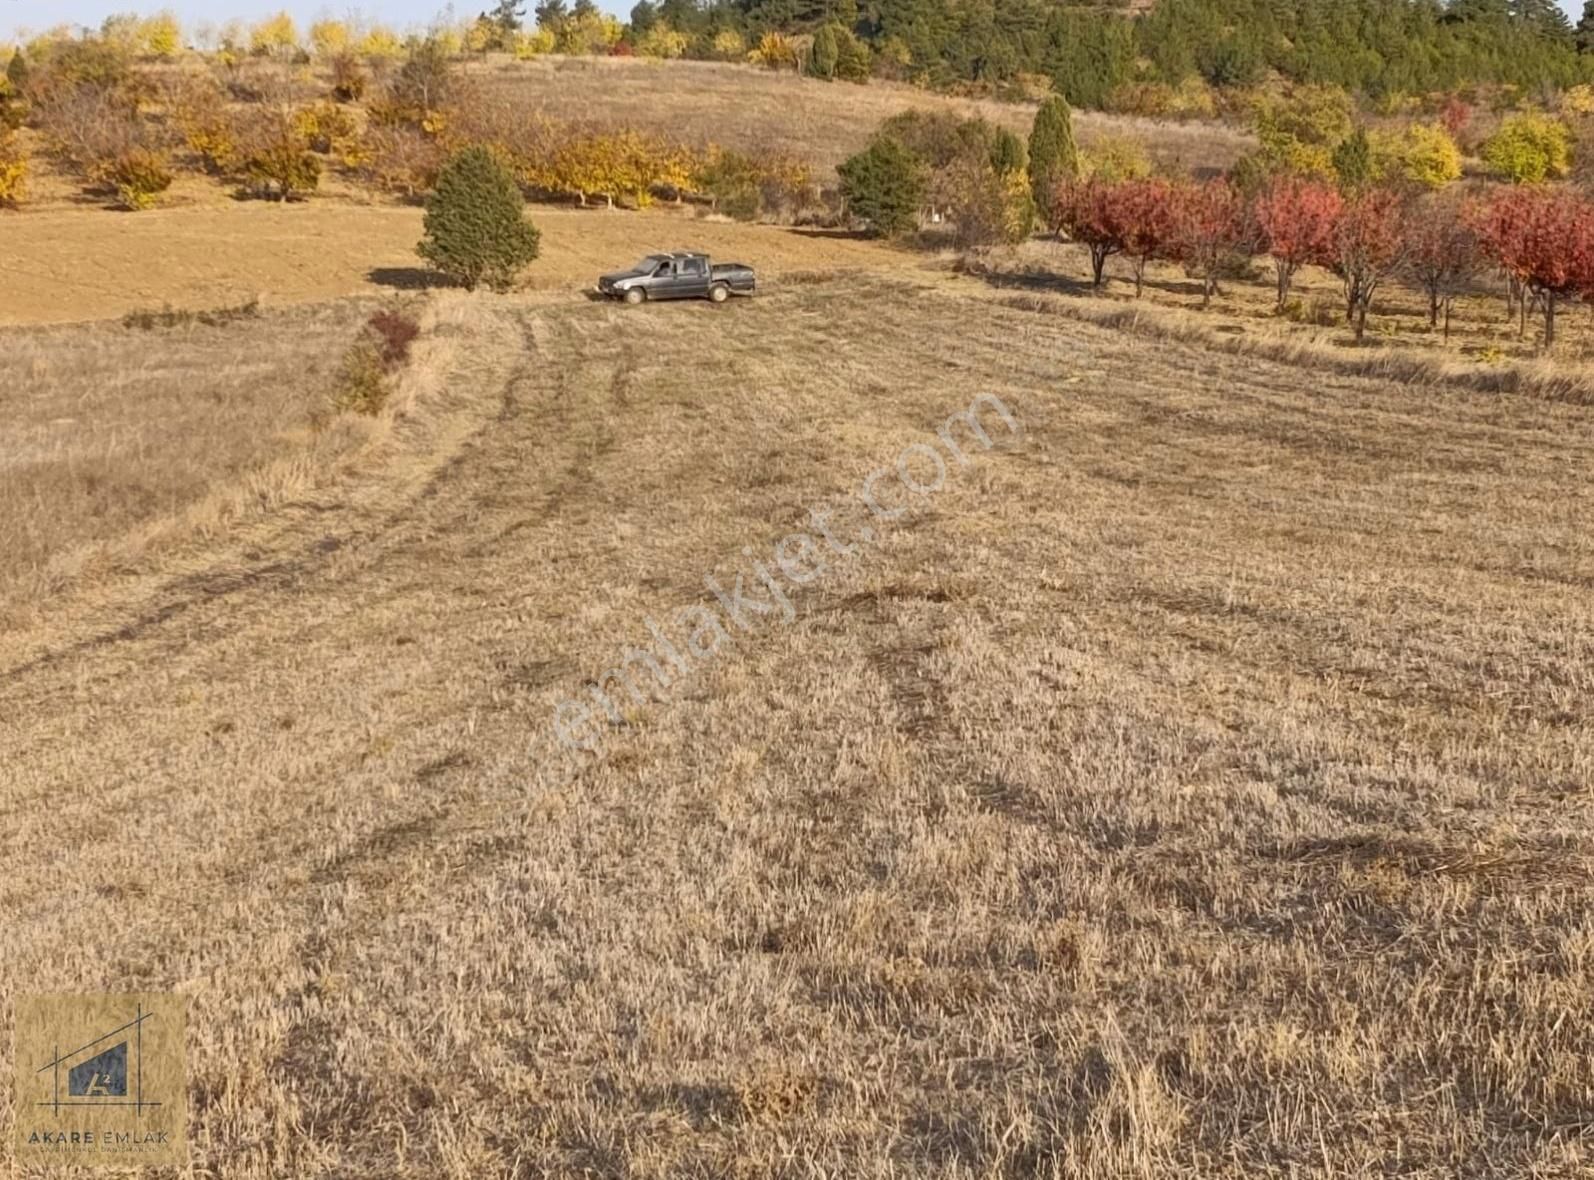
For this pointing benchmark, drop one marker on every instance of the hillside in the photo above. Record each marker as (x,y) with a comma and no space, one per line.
(747,108)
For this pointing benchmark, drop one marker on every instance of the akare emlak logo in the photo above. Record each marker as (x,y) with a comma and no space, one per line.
(101,1079)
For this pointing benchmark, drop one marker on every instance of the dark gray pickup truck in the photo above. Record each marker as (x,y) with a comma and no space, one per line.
(678,276)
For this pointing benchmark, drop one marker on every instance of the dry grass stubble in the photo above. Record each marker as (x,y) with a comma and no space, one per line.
(1201,787)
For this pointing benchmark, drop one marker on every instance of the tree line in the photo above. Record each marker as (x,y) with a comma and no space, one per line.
(1367,226)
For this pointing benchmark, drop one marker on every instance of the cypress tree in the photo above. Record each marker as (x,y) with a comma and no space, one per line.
(826,53)
(1053,155)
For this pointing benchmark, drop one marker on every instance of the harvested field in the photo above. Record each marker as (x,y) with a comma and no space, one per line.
(1197,784)
(111,431)
(65,265)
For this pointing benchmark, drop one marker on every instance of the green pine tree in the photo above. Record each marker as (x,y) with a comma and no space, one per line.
(1353,162)
(883,186)
(476,227)
(1053,154)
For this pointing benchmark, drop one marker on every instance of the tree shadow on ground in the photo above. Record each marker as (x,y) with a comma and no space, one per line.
(406,278)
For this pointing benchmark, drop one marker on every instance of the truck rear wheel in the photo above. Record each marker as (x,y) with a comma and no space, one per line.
(719,293)
(635,295)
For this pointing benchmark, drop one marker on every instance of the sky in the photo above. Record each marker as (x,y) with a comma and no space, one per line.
(37,15)
(400,14)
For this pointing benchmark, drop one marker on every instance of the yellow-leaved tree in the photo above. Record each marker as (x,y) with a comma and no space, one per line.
(276,36)
(160,35)
(328,38)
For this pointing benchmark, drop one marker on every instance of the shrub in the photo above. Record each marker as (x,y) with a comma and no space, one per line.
(988,206)
(660,41)
(1423,155)
(146,320)
(275,160)
(394,331)
(139,175)
(476,227)
(325,127)
(883,186)
(13,171)
(1115,158)
(349,78)
(401,160)
(1008,153)
(198,111)
(728,45)
(362,381)
(1053,155)
(1528,149)
(1297,219)
(774,52)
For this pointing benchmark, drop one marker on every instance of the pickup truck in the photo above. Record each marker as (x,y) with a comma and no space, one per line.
(678,276)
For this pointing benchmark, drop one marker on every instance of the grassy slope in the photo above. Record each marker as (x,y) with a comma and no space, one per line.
(1199,785)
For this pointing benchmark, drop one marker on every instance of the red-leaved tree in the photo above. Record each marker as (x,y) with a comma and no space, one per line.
(1297,219)
(1545,238)
(1087,212)
(1146,212)
(1367,246)
(1214,232)
(1442,254)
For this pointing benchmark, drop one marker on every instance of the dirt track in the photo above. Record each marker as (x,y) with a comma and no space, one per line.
(1186,789)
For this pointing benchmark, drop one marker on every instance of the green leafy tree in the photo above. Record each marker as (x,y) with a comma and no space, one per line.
(883,186)
(476,230)
(1585,28)
(1053,154)
(17,72)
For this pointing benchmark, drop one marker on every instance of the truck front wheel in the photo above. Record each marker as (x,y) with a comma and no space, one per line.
(635,295)
(719,293)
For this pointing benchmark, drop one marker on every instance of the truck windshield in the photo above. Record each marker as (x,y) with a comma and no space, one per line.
(649,264)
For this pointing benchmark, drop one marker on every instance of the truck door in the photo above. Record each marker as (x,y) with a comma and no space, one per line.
(691,278)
